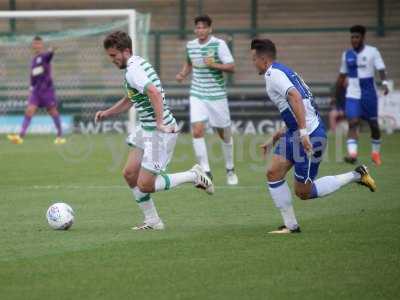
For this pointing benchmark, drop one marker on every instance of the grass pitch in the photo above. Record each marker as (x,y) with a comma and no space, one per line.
(213,248)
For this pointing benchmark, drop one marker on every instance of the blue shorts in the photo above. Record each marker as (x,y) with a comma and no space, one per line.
(367,106)
(290,147)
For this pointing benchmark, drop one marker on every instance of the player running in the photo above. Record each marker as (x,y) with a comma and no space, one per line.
(207,58)
(154,140)
(358,66)
(301,144)
(42,92)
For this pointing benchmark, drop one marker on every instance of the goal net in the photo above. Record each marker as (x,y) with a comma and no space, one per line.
(84,79)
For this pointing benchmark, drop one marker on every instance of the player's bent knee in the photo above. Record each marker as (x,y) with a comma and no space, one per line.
(198,130)
(52,111)
(303,196)
(30,112)
(145,187)
(272,175)
(197,133)
(128,174)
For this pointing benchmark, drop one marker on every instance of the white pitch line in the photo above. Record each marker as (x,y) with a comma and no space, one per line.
(115,187)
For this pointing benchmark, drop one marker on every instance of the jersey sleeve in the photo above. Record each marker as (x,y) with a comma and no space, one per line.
(137,79)
(47,56)
(224,53)
(280,83)
(343,65)
(378,61)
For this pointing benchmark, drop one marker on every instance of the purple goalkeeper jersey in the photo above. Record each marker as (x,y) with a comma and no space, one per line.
(41,80)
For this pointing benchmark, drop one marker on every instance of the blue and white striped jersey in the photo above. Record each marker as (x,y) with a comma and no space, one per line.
(360,69)
(279,80)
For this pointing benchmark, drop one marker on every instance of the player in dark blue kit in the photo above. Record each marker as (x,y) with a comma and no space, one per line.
(301,143)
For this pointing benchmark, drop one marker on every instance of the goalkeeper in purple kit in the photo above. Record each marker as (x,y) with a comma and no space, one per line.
(42,92)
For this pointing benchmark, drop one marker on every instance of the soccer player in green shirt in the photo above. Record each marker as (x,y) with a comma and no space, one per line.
(154,139)
(208,58)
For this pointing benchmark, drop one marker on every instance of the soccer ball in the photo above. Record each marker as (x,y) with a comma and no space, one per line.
(60,216)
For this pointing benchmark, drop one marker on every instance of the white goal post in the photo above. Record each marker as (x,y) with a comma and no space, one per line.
(130,14)
(130,17)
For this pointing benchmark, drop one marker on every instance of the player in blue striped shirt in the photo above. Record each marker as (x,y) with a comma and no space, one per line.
(301,143)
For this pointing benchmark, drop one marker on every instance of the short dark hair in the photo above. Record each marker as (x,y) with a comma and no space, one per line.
(203,18)
(358,29)
(37,38)
(119,40)
(264,46)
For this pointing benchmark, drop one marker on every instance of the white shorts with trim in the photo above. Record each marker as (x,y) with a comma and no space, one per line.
(216,112)
(158,148)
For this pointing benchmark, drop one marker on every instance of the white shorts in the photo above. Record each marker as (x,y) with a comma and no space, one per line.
(216,112)
(158,148)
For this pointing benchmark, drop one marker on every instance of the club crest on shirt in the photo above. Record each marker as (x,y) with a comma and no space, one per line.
(37,71)
(39,60)
(363,63)
(210,53)
(132,93)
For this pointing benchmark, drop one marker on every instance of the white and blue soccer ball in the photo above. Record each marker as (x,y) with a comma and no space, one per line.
(60,216)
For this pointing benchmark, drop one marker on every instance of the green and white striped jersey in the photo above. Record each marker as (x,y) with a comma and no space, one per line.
(207,83)
(138,76)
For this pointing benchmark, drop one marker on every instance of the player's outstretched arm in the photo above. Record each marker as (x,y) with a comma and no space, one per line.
(185,71)
(52,49)
(121,106)
(270,143)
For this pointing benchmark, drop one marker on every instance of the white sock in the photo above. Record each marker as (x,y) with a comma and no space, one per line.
(352,147)
(147,206)
(327,185)
(168,181)
(376,145)
(227,149)
(282,197)
(200,149)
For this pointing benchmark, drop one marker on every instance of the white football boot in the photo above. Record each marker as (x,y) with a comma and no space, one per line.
(231,177)
(150,226)
(202,180)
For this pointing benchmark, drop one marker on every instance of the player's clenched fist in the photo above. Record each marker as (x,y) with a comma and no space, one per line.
(209,61)
(180,77)
(305,141)
(100,116)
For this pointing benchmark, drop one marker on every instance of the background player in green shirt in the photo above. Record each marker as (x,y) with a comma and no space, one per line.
(207,58)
